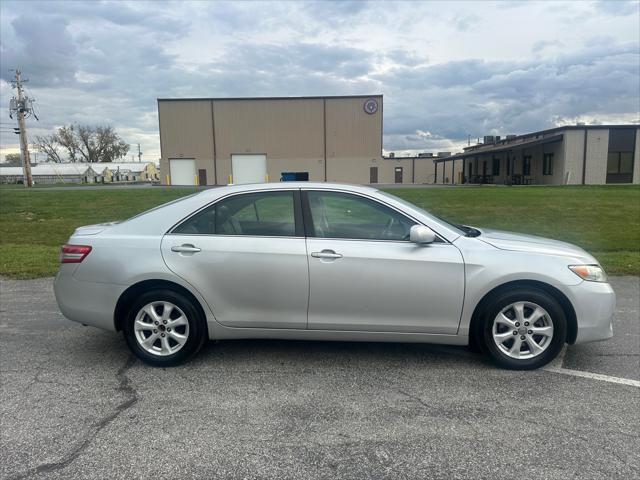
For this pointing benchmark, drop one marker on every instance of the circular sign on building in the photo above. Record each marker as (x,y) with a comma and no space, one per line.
(371,106)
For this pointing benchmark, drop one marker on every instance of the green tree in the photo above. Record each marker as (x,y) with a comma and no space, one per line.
(12,160)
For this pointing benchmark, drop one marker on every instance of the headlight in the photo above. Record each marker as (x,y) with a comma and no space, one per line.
(591,273)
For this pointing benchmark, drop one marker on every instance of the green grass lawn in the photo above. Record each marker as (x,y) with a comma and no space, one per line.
(603,220)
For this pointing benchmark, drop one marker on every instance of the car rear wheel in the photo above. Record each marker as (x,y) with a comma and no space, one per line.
(163,328)
(523,329)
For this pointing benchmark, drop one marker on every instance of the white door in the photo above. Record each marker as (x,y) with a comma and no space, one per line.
(182,171)
(249,168)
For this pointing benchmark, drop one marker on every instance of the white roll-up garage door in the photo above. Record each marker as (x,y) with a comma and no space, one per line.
(249,168)
(182,171)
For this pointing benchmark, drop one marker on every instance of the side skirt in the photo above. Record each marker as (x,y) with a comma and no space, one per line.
(218,332)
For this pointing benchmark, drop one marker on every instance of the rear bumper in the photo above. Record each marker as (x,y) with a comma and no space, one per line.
(89,303)
(594,304)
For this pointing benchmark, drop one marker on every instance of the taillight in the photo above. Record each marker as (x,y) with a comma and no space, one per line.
(74,253)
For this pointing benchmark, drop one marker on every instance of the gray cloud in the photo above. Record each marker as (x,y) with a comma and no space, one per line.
(477,97)
(101,62)
(44,47)
(618,7)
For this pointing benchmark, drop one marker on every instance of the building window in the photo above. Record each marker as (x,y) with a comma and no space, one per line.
(508,166)
(526,165)
(495,170)
(619,167)
(547,164)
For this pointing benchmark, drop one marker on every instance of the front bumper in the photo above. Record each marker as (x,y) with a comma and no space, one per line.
(594,304)
(89,303)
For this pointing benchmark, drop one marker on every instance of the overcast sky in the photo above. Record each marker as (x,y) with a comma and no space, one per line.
(446,69)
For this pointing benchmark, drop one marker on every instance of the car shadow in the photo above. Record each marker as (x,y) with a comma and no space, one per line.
(297,352)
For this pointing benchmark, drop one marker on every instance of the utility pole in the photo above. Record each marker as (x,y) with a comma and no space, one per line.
(139,154)
(23,107)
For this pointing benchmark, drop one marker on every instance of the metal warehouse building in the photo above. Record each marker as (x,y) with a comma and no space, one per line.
(216,141)
(571,155)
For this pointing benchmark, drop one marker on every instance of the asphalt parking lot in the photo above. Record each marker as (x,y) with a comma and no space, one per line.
(75,404)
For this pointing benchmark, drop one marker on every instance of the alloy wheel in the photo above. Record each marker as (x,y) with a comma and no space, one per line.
(522,330)
(161,328)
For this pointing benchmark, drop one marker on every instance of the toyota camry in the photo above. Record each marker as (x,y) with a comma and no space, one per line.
(318,261)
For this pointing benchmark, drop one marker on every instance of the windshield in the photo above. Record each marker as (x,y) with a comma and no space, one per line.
(460,229)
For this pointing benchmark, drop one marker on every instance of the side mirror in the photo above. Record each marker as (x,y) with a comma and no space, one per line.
(421,235)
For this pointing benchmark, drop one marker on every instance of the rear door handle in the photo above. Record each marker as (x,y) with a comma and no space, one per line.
(326,254)
(186,248)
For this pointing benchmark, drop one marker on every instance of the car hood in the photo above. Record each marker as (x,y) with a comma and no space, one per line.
(531,243)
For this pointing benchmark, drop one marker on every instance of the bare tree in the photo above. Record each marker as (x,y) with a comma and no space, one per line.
(12,160)
(49,144)
(85,143)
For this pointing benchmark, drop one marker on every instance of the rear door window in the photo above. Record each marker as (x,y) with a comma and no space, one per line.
(256,214)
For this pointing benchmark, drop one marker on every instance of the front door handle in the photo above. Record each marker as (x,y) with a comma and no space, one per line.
(186,248)
(326,254)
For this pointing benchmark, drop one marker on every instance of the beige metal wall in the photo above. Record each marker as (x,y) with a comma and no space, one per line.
(354,141)
(426,170)
(291,132)
(186,132)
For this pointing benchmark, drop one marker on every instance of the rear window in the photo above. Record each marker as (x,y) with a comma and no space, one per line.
(166,204)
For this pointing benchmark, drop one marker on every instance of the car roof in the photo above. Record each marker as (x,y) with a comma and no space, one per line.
(246,187)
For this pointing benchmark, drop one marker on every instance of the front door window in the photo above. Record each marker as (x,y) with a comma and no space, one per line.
(342,215)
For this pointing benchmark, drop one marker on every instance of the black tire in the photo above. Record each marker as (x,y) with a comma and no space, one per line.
(197,328)
(484,332)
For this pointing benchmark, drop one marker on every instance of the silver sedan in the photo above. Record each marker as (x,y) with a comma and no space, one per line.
(316,261)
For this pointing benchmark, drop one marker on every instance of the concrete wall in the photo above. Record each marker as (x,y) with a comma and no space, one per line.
(573,156)
(597,150)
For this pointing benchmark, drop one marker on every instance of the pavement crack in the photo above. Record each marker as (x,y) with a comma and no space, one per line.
(131,398)
(436,412)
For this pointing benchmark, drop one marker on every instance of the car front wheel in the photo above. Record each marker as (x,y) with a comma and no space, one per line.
(163,328)
(523,329)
